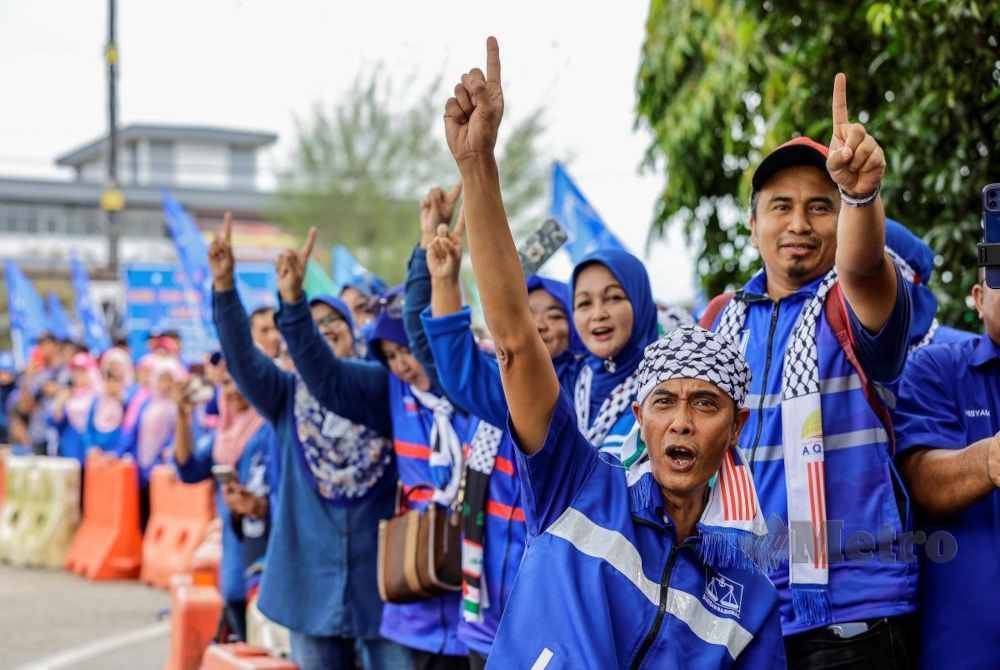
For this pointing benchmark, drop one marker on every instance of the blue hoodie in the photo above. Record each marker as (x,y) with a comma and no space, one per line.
(607,374)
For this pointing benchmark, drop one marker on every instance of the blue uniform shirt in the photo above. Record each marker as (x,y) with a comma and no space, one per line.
(604,584)
(950,398)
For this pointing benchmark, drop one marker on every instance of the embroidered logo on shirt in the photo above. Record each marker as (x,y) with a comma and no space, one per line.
(409,405)
(723,594)
(977,413)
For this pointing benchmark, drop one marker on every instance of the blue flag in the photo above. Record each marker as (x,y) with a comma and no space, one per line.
(587,231)
(347,271)
(58,321)
(28,320)
(95,333)
(192,252)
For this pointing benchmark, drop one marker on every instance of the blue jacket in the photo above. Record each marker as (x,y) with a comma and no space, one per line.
(471,379)
(604,584)
(366,393)
(198,468)
(320,576)
(864,495)
(950,398)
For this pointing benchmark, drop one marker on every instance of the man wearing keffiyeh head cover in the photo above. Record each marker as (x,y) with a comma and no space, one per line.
(615,576)
(682,534)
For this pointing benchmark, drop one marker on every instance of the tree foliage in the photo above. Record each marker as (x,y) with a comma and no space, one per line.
(722,82)
(360,168)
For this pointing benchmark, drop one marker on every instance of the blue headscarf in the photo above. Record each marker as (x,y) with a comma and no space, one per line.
(631,274)
(337,305)
(917,258)
(560,291)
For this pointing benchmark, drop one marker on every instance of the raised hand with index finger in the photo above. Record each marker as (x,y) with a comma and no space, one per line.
(220,256)
(472,117)
(291,269)
(856,162)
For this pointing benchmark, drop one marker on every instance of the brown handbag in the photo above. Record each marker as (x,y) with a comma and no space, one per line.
(420,552)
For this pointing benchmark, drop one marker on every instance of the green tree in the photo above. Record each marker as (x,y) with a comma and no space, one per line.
(360,168)
(723,82)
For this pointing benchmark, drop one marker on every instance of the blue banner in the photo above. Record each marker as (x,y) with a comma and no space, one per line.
(192,252)
(587,231)
(28,320)
(158,298)
(59,324)
(95,332)
(346,270)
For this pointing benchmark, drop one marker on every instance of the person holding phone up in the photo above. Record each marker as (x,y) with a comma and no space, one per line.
(237,451)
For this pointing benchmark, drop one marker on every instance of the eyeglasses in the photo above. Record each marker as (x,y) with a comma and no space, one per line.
(330,321)
(391,305)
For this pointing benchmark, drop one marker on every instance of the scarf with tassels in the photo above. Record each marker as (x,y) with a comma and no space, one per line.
(803,446)
(732,530)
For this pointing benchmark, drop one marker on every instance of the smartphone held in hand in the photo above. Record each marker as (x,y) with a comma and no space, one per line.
(989,249)
(197,391)
(223,474)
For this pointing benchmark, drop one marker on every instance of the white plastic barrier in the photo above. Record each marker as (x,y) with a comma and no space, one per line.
(44,512)
(262,632)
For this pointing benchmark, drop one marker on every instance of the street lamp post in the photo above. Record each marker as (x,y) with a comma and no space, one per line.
(112,200)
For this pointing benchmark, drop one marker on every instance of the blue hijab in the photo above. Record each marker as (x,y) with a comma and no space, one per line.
(918,258)
(631,274)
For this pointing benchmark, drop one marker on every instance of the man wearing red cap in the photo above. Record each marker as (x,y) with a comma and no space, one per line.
(823,324)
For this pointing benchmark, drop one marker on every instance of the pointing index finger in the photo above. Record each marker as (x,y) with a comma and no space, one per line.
(840,99)
(227,228)
(492,60)
(308,248)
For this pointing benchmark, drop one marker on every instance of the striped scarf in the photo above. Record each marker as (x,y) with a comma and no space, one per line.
(802,440)
(482,459)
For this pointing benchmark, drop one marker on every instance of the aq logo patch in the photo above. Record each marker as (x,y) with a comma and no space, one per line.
(722,594)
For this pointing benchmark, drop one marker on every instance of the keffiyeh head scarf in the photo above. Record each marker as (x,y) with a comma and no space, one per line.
(731,528)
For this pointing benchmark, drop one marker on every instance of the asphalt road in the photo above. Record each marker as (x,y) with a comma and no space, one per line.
(52,619)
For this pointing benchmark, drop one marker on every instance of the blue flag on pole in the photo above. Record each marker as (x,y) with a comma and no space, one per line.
(95,333)
(28,320)
(347,271)
(192,252)
(58,321)
(587,231)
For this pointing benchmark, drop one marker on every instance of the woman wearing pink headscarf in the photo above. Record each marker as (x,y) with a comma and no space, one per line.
(155,425)
(104,417)
(72,406)
(242,440)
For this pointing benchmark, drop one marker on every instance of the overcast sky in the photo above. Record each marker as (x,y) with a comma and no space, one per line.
(255,63)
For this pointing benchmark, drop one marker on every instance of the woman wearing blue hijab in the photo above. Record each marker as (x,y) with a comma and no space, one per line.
(615,317)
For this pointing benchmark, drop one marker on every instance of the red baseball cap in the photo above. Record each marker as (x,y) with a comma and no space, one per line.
(799,151)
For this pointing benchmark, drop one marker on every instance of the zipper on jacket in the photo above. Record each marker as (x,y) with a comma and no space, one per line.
(654,631)
(763,388)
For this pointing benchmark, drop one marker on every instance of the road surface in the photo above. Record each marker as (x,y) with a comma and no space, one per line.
(54,619)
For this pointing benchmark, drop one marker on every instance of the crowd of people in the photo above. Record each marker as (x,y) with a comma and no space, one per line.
(807,478)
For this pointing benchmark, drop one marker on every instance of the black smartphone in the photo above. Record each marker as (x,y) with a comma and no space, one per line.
(540,246)
(989,251)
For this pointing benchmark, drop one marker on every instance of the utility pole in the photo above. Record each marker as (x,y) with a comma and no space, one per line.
(112,199)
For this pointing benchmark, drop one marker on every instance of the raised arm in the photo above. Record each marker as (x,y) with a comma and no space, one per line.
(436,209)
(256,375)
(472,119)
(356,390)
(856,164)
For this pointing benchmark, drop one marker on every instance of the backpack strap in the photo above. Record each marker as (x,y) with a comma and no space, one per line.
(714,309)
(837,317)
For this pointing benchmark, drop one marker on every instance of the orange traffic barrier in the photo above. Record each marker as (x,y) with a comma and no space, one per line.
(241,656)
(179,516)
(108,544)
(207,557)
(194,619)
